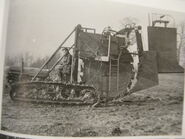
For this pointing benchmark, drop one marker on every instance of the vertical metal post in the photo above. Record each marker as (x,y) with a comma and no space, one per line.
(78,70)
(72,63)
(110,68)
(74,66)
(118,69)
(109,44)
(110,64)
(117,75)
(71,76)
(139,42)
(22,65)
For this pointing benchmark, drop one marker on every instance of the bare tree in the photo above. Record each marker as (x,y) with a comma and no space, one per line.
(13,60)
(129,21)
(181,34)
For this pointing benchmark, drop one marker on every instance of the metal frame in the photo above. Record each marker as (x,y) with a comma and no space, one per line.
(61,46)
(88,29)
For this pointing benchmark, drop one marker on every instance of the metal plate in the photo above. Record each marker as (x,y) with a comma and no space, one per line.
(164,41)
(147,72)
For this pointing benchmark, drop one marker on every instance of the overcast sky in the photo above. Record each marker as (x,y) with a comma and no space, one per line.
(39,26)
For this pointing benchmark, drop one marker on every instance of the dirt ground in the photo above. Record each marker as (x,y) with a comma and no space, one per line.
(155,111)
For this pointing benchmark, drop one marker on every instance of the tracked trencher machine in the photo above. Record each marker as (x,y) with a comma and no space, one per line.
(104,66)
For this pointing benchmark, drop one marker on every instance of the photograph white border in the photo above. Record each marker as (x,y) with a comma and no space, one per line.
(172,5)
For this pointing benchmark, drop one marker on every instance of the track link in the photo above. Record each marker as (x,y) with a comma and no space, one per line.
(52,92)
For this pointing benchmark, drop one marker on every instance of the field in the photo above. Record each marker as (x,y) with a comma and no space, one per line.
(154,111)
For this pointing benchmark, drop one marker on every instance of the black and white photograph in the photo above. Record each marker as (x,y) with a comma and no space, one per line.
(101,68)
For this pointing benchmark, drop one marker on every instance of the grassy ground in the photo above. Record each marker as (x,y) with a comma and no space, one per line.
(155,111)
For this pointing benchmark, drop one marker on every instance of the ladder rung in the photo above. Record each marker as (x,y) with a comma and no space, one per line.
(113,59)
(114,72)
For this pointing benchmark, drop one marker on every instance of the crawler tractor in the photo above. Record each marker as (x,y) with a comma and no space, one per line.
(104,66)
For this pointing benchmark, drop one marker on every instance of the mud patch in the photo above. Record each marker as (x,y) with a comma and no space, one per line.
(154,111)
